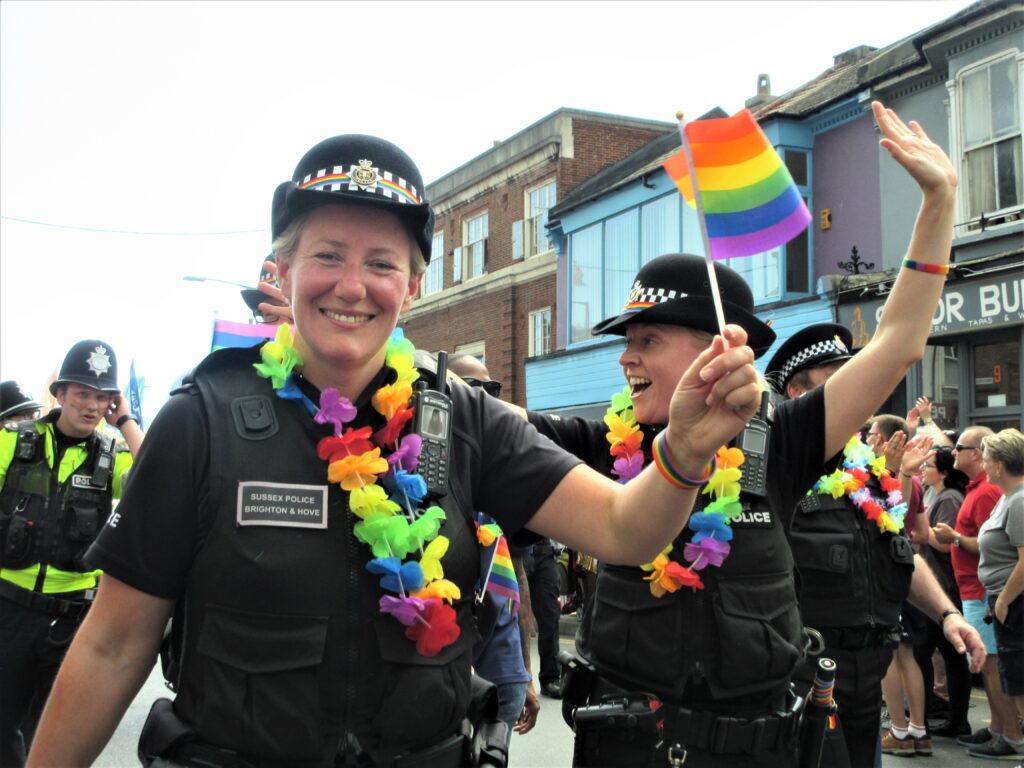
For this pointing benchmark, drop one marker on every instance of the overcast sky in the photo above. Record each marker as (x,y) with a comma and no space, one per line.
(166,127)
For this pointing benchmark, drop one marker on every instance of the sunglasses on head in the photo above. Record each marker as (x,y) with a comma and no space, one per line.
(491,387)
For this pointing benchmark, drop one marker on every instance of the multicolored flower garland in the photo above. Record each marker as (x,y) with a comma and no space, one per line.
(851,477)
(380,487)
(710,544)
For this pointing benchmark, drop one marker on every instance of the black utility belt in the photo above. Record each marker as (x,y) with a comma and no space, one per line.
(684,728)
(71,605)
(859,638)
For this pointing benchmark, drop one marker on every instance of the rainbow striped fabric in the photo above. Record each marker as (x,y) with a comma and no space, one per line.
(229,334)
(750,202)
(502,581)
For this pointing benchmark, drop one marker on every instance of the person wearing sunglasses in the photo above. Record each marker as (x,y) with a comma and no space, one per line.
(979,501)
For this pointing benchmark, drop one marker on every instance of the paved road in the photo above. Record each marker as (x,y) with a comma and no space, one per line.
(549,745)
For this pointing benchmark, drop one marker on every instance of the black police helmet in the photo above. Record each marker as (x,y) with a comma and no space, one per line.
(809,347)
(675,289)
(357,169)
(13,401)
(90,362)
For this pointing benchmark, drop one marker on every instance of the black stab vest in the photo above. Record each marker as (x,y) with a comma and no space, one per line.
(851,573)
(44,521)
(285,655)
(740,635)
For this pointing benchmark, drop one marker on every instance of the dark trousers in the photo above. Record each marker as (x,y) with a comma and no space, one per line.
(542,575)
(858,695)
(32,647)
(958,675)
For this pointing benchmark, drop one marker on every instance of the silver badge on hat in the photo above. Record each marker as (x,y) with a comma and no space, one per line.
(99,361)
(364,176)
(840,345)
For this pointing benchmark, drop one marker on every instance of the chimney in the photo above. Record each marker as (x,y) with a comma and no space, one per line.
(853,55)
(764,91)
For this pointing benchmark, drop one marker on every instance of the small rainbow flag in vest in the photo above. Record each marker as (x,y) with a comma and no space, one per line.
(748,199)
(500,576)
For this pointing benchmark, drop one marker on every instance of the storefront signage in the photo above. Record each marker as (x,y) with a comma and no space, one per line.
(965,305)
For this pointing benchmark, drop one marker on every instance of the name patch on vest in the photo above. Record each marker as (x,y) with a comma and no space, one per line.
(754,518)
(292,506)
(85,481)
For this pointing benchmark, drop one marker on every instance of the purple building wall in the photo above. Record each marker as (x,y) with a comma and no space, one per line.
(846,179)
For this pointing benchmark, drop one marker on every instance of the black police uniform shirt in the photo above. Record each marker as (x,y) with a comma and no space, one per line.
(162,519)
(794,460)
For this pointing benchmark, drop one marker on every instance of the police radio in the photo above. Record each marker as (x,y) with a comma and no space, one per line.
(754,441)
(432,421)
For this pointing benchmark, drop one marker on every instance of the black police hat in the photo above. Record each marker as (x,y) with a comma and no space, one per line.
(359,169)
(13,401)
(675,289)
(808,348)
(253,297)
(90,362)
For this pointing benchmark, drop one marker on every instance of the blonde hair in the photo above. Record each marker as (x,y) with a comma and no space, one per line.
(287,243)
(1006,446)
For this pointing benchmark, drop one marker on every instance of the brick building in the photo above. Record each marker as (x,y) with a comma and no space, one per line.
(491,287)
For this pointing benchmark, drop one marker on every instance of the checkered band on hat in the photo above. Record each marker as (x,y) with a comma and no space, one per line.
(365,178)
(642,298)
(830,348)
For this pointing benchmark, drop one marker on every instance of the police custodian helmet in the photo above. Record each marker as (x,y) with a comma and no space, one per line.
(361,170)
(13,401)
(90,362)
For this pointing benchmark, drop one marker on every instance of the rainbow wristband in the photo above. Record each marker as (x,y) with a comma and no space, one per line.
(673,475)
(931,269)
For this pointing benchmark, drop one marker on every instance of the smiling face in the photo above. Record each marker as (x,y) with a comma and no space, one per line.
(655,358)
(349,280)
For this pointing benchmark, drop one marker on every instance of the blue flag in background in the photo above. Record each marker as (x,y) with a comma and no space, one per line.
(135,395)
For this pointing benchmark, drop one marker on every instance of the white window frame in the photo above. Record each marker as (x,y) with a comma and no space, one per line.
(433,278)
(474,246)
(539,332)
(477,349)
(535,238)
(956,139)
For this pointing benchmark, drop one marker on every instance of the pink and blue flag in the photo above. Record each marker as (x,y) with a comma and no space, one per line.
(230,334)
(748,197)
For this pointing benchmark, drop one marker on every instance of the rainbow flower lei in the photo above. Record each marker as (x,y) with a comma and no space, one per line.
(710,542)
(384,491)
(851,477)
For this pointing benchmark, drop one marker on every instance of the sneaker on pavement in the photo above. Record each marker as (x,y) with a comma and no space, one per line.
(997,749)
(923,746)
(980,736)
(894,745)
(951,729)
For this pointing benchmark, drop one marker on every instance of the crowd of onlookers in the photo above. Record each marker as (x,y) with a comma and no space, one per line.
(966,518)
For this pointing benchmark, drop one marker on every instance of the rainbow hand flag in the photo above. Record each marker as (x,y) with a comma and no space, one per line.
(229,334)
(750,202)
(502,580)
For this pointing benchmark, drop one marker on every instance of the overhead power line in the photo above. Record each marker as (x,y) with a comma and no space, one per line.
(132,232)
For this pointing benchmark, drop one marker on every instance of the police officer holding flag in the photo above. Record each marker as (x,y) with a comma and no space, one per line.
(58,477)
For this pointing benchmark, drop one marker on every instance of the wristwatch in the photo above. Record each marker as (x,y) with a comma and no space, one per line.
(956,541)
(125,419)
(949,612)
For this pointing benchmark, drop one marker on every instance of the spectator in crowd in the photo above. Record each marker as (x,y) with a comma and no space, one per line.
(502,655)
(979,501)
(948,485)
(1001,571)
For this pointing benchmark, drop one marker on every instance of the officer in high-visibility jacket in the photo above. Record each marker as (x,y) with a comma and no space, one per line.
(58,479)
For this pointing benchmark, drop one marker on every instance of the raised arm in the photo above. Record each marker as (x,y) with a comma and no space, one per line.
(857,389)
(117,643)
(631,524)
